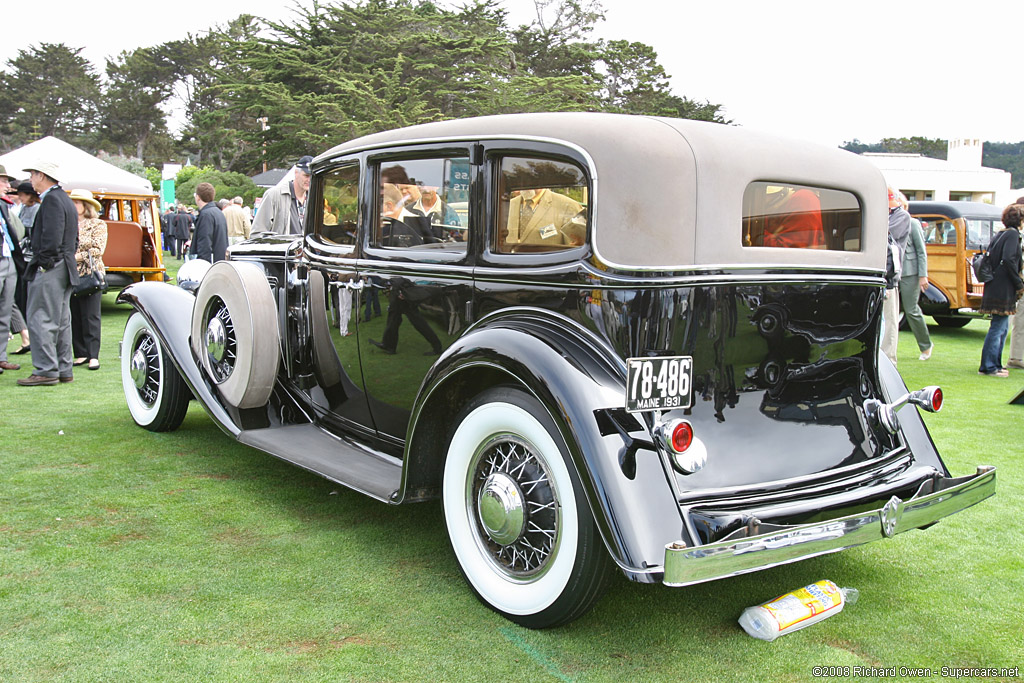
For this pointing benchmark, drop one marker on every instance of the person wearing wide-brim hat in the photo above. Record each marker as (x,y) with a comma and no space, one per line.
(86,197)
(86,321)
(51,274)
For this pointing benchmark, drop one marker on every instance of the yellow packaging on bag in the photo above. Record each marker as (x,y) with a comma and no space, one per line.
(796,610)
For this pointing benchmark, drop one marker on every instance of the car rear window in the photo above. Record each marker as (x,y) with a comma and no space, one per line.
(791,216)
(938,230)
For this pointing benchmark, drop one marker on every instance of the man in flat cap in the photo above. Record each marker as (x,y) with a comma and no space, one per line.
(283,209)
(51,274)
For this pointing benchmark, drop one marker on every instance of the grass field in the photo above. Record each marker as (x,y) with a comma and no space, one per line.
(131,556)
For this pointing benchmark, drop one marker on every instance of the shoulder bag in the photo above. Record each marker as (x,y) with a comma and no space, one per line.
(981,263)
(91,282)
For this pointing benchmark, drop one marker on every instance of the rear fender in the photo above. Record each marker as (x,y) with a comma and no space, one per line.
(916,435)
(579,380)
(169,311)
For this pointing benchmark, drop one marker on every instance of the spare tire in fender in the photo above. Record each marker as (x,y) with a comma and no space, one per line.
(235,334)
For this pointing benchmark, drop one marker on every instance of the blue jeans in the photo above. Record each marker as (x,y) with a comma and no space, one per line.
(992,349)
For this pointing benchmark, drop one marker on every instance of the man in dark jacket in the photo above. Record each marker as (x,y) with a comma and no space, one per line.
(210,241)
(167,229)
(51,275)
(181,227)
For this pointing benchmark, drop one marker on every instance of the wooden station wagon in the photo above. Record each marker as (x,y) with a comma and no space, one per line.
(953,233)
(133,252)
(641,346)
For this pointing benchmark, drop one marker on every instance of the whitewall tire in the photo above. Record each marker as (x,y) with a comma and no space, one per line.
(517,519)
(156,395)
(235,332)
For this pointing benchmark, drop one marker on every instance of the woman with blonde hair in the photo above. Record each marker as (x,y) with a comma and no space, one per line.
(85,308)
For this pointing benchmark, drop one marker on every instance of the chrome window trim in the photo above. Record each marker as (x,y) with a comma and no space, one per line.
(670,282)
(591,169)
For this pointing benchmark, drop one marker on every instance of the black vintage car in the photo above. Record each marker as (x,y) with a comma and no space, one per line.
(640,344)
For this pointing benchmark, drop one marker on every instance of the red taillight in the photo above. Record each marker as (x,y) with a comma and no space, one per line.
(936,400)
(687,453)
(682,436)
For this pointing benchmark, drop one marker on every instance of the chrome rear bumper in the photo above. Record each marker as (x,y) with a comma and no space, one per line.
(685,565)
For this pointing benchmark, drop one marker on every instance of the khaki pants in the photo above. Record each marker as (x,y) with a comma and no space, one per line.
(1017,333)
(890,323)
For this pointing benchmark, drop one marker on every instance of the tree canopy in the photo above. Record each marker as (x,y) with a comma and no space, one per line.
(1007,156)
(929,147)
(255,91)
(226,184)
(50,89)
(258,91)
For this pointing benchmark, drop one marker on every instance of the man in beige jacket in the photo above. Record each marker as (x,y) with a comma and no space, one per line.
(543,217)
(239,224)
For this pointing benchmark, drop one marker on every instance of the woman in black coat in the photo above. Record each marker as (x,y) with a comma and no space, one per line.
(1003,290)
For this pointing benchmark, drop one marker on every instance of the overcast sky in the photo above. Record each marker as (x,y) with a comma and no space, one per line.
(822,70)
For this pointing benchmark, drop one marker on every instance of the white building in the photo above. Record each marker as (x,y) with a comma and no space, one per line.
(961,177)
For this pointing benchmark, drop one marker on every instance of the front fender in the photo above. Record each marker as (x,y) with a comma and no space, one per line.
(934,301)
(578,379)
(169,311)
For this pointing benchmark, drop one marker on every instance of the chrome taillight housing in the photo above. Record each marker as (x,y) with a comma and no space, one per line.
(687,453)
(884,414)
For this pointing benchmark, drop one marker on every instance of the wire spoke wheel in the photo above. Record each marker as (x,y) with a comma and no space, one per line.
(515,504)
(156,395)
(221,340)
(146,370)
(518,523)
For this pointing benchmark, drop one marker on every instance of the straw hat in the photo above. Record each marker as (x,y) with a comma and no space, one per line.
(85,196)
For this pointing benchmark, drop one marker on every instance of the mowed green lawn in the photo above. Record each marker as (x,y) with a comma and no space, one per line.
(131,556)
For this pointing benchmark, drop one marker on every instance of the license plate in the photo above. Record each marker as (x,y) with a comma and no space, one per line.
(662,383)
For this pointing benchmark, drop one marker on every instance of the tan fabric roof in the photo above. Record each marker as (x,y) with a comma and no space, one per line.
(669,192)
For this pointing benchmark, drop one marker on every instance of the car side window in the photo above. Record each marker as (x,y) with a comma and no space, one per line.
(110,212)
(980,232)
(146,214)
(423,205)
(339,215)
(938,231)
(542,206)
(800,217)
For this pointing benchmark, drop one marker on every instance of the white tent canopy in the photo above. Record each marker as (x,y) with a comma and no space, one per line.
(77,168)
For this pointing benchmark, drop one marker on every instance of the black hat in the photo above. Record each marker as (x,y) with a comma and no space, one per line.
(27,188)
(303,164)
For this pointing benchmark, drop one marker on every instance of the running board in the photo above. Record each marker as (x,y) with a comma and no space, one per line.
(311,448)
